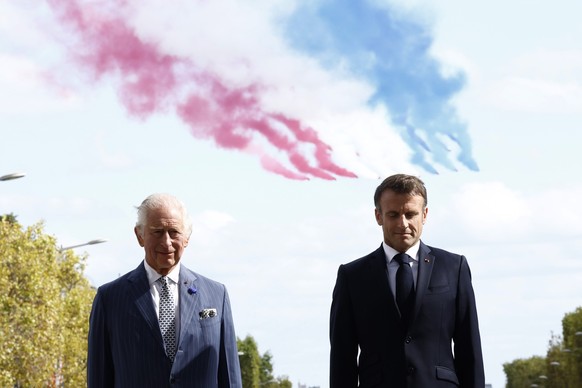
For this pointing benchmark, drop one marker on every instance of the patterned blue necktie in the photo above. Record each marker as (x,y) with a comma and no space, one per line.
(167,318)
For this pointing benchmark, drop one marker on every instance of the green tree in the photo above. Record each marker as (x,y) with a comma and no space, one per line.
(283,382)
(256,369)
(250,362)
(556,364)
(266,374)
(572,334)
(45,304)
(10,217)
(266,370)
(563,362)
(522,373)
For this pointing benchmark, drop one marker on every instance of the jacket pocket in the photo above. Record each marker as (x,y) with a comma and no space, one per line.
(446,374)
(438,289)
(370,371)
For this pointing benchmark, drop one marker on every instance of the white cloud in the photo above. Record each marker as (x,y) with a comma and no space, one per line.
(16,21)
(536,95)
(453,61)
(73,205)
(491,210)
(109,158)
(362,139)
(26,89)
(495,212)
(18,71)
(241,43)
(213,220)
(556,212)
(62,205)
(560,65)
(26,51)
(546,81)
(209,229)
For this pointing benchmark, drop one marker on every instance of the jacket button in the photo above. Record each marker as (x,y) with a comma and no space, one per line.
(410,370)
(408,339)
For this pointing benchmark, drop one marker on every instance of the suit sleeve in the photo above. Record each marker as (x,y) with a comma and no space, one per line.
(229,375)
(99,361)
(343,339)
(467,340)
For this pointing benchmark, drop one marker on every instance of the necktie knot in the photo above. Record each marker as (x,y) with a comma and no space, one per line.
(403,258)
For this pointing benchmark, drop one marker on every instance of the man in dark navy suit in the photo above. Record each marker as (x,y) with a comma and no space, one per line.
(162,325)
(404,316)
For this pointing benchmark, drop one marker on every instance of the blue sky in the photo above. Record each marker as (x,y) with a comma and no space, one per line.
(275,242)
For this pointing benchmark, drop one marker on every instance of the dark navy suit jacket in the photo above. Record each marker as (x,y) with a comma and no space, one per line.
(126,347)
(365,319)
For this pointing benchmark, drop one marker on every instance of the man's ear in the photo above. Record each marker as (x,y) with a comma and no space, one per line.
(139,236)
(378,216)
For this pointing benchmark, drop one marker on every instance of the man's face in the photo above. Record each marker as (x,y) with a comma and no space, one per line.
(163,238)
(401,217)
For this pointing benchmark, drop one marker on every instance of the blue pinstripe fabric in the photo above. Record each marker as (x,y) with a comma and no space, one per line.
(126,347)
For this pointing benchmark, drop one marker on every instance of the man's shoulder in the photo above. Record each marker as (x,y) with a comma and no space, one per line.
(200,279)
(364,261)
(124,280)
(441,252)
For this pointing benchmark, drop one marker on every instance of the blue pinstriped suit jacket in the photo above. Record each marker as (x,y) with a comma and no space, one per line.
(125,344)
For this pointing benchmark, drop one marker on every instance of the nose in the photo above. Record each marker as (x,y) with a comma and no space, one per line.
(403,222)
(166,239)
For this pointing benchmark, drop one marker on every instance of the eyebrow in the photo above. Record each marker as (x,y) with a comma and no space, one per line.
(393,212)
(171,228)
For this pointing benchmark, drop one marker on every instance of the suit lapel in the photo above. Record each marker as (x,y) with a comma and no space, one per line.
(143,299)
(189,299)
(425,266)
(379,274)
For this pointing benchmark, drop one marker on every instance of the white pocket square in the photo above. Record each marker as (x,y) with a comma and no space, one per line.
(208,313)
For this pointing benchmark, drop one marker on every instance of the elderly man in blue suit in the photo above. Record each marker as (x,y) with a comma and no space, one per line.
(404,316)
(162,325)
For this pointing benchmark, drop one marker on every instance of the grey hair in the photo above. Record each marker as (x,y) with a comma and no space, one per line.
(155,201)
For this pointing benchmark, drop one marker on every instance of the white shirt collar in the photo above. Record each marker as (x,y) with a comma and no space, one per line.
(391,252)
(153,276)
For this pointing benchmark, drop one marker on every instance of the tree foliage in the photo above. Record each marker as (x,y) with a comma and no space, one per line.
(250,362)
(256,369)
(564,357)
(562,365)
(45,304)
(572,333)
(524,372)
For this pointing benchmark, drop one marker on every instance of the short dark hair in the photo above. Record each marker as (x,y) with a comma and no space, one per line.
(401,184)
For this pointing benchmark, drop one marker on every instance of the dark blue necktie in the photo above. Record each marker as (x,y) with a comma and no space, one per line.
(404,287)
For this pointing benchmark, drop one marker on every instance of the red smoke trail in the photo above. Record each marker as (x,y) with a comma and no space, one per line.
(152,81)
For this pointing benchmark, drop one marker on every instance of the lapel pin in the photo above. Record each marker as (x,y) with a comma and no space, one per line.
(192,290)
(426,260)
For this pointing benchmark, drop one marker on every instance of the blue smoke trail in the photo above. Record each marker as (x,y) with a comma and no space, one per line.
(374,43)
